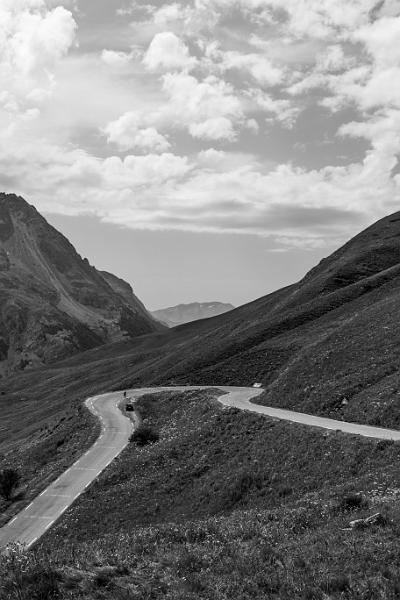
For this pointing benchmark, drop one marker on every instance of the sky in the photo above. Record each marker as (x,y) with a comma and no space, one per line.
(206,149)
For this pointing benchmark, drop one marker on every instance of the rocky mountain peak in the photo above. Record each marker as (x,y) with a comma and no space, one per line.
(53,302)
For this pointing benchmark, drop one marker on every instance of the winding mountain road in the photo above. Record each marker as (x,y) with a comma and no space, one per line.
(30,524)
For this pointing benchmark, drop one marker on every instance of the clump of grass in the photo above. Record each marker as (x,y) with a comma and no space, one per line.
(144,435)
(244,481)
(103,578)
(25,577)
(9,481)
(352,502)
(336,584)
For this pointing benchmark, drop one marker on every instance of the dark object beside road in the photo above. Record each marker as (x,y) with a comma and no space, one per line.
(9,481)
(144,435)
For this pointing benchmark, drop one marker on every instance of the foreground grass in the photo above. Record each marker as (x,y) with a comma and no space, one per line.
(298,552)
(226,505)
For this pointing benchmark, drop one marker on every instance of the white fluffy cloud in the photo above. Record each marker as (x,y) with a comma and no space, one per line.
(209,108)
(33,39)
(113,58)
(125,132)
(217,128)
(258,66)
(128,134)
(382,40)
(168,53)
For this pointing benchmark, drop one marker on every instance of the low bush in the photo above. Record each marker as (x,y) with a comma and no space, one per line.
(353,502)
(144,435)
(9,481)
(23,576)
(243,482)
(336,584)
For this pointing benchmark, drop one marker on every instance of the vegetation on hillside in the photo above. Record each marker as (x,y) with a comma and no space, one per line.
(220,482)
(327,345)
(226,504)
(46,428)
(9,481)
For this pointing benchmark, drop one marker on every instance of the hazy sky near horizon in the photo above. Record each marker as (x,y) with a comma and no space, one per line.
(203,149)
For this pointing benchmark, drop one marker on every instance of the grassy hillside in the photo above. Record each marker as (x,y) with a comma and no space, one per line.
(44,429)
(327,345)
(211,460)
(226,504)
(300,553)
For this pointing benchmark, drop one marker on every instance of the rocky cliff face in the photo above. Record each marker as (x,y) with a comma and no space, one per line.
(185,313)
(52,302)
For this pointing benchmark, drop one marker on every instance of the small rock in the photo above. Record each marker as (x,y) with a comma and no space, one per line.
(376,519)
(358,524)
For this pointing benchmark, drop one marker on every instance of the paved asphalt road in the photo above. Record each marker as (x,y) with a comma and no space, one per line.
(31,523)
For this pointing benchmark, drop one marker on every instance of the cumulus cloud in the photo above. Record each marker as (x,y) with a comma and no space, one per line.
(209,108)
(382,40)
(113,58)
(284,111)
(258,65)
(217,128)
(214,191)
(33,39)
(168,53)
(127,133)
(106,129)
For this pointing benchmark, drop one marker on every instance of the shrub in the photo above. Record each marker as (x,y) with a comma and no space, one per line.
(284,491)
(240,486)
(24,576)
(42,585)
(103,578)
(353,502)
(9,481)
(336,583)
(144,435)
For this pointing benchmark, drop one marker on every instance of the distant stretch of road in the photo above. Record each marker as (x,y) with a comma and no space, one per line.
(30,524)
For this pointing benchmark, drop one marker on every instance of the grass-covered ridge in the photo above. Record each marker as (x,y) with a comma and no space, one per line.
(226,504)
(212,460)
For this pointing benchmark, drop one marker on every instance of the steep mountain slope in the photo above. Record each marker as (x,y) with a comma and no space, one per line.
(53,303)
(124,289)
(185,313)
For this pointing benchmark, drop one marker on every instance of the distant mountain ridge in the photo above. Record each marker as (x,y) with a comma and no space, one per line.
(53,303)
(185,313)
